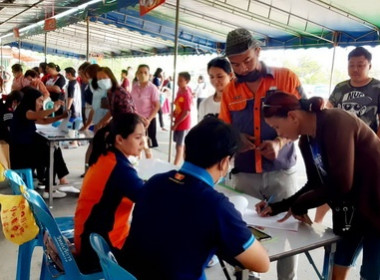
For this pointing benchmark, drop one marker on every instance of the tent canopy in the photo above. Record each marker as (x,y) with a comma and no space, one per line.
(116,29)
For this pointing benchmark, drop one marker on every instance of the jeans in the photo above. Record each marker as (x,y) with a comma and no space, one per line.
(348,249)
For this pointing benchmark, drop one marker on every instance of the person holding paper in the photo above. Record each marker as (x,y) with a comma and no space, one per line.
(342,167)
(180,221)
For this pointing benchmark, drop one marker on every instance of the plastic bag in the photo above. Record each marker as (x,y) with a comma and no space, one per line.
(19,225)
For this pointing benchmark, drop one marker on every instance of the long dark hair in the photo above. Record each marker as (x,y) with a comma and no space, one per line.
(91,71)
(104,139)
(158,72)
(220,62)
(279,104)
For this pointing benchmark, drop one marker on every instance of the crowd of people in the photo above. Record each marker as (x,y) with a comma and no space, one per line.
(254,117)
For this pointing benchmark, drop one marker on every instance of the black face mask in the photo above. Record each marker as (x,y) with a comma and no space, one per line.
(250,77)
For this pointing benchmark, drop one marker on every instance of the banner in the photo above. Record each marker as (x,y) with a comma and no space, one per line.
(50,24)
(147,5)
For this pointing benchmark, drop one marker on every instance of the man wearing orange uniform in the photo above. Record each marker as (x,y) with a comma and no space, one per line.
(264,168)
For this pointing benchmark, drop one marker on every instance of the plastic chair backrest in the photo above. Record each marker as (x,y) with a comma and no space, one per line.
(111,269)
(16,181)
(26,176)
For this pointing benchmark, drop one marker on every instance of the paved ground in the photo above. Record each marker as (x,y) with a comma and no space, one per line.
(66,206)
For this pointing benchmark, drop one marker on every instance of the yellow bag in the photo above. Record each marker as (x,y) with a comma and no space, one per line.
(2,169)
(4,154)
(19,225)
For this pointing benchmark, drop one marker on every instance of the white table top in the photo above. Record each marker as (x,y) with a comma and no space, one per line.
(52,133)
(283,243)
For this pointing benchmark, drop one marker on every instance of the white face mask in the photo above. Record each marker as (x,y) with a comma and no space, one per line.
(105,84)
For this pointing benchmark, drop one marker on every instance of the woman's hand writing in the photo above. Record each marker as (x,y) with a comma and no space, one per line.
(263,209)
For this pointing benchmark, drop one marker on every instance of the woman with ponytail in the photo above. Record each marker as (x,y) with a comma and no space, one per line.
(110,188)
(341,155)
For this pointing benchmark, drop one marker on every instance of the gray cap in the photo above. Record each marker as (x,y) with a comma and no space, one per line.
(240,40)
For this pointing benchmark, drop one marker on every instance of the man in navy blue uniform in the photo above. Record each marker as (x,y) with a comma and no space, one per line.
(180,221)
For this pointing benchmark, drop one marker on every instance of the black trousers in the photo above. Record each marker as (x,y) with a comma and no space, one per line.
(160,118)
(199,100)
(36,155)
(152,130)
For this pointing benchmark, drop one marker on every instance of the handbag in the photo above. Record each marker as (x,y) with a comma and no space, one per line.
(344,216)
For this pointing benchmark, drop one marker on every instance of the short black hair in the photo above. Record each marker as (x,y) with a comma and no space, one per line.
(71,71)
(185,75)
(32,73)
(360,51)
(124,72)
(16,67)
(210,141)
(143,65)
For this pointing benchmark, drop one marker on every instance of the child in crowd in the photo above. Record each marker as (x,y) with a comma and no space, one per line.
(181,114)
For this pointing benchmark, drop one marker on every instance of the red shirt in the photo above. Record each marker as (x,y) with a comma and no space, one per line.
(183,103)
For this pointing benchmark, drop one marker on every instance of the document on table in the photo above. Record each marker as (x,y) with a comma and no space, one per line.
(252,218)
(50,131)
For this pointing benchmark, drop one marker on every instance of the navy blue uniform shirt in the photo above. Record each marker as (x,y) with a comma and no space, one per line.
(178,223)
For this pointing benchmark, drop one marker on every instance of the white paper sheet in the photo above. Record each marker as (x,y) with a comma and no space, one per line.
(252,218)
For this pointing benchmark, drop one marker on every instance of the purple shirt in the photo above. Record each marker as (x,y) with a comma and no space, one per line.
(145,98)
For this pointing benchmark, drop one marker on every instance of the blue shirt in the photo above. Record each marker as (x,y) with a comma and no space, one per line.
(178,223)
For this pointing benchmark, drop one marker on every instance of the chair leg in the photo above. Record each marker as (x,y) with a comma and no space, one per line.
(24,259)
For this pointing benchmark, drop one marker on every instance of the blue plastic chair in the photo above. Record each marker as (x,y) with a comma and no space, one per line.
(111,269)
(27,176)
(47,223)
(63,224)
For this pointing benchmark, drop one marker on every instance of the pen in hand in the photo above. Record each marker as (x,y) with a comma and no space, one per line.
(263,205)
(269,200)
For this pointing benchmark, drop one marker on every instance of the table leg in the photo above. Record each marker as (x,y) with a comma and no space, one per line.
(241,274)
(328,261)
(51,172)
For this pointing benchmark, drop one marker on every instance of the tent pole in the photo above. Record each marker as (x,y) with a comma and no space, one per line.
(332,68)
(1,55)
(45,47)
(174,77)
(333,60)
(88,39)
(2,89)
(19,51)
